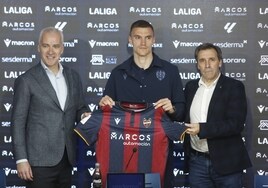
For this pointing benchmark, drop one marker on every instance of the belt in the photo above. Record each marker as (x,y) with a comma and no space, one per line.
(199,153)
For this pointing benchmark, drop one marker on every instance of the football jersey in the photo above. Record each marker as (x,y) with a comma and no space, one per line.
(130,137)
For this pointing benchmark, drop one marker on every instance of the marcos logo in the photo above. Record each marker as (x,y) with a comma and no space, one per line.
(130,137)
(63,11)
(19,26)
(231,11)
(146,11)
(103,27)
(188,27)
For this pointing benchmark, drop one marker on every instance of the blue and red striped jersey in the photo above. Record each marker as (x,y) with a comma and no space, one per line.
(130,137)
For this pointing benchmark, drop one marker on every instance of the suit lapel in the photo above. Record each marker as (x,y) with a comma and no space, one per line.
(218,91)
(69,81)
(44,82)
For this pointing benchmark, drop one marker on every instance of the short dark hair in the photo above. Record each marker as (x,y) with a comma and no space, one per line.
(140,23)
(206,46)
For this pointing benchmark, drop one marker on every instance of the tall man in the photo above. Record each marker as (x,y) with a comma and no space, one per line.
(216,110)
(48,100)
(144,77)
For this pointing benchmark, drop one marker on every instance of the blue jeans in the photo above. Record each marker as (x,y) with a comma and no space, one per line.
(203,175)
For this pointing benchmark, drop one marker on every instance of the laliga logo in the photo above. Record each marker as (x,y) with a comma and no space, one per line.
(229,27)
(60,25)
(18,10)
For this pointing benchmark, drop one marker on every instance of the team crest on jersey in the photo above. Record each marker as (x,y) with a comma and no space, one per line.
(160,74)
(147,122)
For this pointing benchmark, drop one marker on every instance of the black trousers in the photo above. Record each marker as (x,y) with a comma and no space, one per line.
(59,176)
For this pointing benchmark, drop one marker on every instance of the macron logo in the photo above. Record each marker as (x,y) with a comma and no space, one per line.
(91,171)
(117,120)
(7,106)
(92,43)
(92,107)
(7,42)
(176,43)
(261,107)
(261,43)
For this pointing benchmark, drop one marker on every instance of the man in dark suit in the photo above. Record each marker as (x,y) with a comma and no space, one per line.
(48,100)
(216,108)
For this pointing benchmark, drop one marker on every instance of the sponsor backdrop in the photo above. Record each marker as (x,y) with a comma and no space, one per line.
(96,41)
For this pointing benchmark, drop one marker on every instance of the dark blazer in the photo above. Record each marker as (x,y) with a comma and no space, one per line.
(40,128)
(225,122)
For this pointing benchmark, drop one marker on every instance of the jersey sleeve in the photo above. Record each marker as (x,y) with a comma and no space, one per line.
(89,127)
(174,130)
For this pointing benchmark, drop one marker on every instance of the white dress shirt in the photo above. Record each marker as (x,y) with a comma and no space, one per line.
(199,111)
(59,84)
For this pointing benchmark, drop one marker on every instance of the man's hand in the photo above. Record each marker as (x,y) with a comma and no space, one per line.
(86,114)
(193,128)
(166,104)
(25,171)
(106,100)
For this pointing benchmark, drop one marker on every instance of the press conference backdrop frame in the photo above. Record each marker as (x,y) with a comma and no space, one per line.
(96,41)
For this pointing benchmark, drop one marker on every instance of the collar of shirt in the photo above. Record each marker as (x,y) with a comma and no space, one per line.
(59,84)
(48,71)
(202,83)
(129,63)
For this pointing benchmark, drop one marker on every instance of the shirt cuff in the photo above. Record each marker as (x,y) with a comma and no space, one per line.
(21,161)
